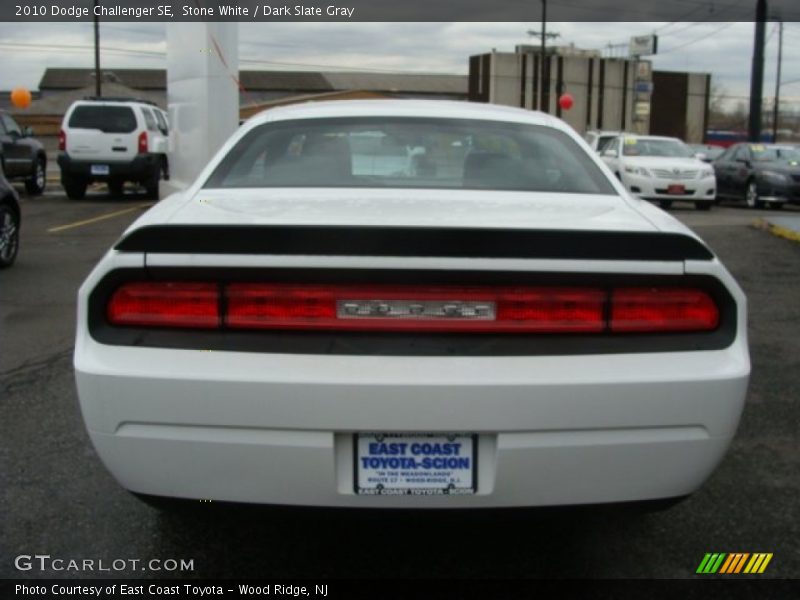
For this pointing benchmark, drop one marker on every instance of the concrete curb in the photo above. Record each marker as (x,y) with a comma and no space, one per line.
(778,230)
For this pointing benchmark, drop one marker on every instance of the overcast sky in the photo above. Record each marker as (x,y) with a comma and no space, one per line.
(722,49)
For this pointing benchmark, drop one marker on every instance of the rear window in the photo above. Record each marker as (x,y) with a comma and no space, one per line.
(108,119)
(397,152)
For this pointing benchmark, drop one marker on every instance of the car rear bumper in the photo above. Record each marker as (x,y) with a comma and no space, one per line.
(273,428)
(140,168)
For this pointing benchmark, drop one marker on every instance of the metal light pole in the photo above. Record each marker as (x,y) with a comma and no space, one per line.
(545,101)
(757,74)
(97,75)
(776,108)
(545,91)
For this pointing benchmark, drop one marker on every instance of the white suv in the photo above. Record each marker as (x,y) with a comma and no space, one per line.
(113,140)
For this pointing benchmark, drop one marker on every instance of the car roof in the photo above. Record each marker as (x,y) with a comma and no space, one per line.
(640,136)
(114,102)
(451,109)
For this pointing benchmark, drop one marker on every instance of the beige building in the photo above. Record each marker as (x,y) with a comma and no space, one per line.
(608,93)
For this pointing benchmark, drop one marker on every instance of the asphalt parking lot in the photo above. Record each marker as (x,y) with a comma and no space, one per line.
(57,498)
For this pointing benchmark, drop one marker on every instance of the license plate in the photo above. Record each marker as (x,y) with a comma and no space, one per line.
(415,464)
(100,170)
(676,188)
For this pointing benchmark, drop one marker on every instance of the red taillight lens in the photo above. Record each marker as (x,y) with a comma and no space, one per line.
(662,309)
(165,304)
(143,142)
(62,140)
(404,308)
(387,308)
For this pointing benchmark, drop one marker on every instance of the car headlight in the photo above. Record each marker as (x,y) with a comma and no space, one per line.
(638,171)
(704,173)
(774,177)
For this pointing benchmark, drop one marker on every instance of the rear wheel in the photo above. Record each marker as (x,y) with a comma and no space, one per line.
(151,187)
(115,187)
(644,507)
(35,185)
(173,505)
(9,236)
(75,189)
(665,204)
(165,168)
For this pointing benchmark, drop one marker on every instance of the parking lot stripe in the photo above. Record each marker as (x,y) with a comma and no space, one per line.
(110,215)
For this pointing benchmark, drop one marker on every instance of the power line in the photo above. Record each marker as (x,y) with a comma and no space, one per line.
(700,39)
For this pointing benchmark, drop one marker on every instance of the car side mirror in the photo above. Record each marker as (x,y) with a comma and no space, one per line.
(701,156)
(610,153)
(744,161)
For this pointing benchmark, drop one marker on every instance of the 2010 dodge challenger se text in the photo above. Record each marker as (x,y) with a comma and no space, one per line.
(410,304)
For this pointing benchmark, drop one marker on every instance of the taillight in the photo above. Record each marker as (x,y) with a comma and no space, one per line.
(143,142)
(403,308)
(165,304)
(398,308)
(62,140)
(662,309)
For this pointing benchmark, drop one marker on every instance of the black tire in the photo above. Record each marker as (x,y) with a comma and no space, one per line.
(76,190)
(151,184)
(776,206)
(151,188)
(173,505)
(37,182)
(165,168)
(665,204)
(115,187)
(9,236)
(706,206)
(644,507)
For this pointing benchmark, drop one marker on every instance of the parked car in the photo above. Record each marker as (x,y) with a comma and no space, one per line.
(759,174)
(23,156)
(662,169)
(113,140)
(10,220)
(706,152)
(487,319)
(598,140)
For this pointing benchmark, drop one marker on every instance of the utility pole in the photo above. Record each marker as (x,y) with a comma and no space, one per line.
(757,74)
(97,75)
(545,93)
(776,108)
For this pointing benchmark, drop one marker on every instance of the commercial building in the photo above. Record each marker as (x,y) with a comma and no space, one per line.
(608,93)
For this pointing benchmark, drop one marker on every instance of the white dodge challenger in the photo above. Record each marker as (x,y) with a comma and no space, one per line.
(406,304)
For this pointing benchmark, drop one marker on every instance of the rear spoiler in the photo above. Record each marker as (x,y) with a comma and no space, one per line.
(413,241)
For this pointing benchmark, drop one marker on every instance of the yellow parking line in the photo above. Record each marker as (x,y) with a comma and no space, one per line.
(111,215)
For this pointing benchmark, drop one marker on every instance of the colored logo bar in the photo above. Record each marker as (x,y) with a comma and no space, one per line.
(734,563)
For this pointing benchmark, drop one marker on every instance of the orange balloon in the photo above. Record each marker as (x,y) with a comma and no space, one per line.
(20,97)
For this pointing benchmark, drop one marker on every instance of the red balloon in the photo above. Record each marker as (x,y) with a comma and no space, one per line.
(566,101)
